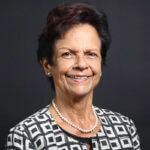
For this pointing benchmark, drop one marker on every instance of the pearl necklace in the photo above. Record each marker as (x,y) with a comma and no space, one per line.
(73,125)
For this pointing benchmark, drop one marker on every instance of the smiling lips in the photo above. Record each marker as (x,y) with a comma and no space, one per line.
(78,78)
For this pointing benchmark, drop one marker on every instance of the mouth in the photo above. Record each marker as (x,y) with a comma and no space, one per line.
(78,78)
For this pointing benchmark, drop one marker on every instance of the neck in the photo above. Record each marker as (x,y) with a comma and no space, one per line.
(75,107)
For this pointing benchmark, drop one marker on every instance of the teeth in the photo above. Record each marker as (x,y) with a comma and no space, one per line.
(79,77)
(76,77)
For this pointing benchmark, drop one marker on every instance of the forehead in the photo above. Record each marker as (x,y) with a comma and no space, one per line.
(80,36)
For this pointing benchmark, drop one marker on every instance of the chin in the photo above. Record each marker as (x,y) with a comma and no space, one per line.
(81,92)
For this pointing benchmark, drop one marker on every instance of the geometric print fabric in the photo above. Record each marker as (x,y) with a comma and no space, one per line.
(41,132)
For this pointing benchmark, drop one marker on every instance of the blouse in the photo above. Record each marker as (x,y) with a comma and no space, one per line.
(40,132)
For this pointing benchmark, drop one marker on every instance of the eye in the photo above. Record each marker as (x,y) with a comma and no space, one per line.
(66,55)
(92,54)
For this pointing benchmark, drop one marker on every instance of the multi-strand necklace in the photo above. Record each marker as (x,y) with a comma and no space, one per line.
(73,125)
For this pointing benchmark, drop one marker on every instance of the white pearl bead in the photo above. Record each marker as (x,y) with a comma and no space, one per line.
(73,125)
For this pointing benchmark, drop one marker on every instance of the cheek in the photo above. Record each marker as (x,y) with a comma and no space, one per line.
(96,67)
(97,70)
(63,67)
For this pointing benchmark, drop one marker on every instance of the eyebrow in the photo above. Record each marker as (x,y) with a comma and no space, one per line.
(93,49)
(64,48)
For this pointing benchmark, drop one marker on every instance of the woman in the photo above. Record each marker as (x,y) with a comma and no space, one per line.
(72,48)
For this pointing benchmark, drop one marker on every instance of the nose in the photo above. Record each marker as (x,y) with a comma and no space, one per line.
(81,63)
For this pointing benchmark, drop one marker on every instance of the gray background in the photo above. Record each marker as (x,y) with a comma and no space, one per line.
(125,84)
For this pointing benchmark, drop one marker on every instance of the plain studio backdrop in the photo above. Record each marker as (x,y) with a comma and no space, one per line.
(125,83)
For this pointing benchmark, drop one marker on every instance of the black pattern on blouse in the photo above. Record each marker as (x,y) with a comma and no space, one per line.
(40,132)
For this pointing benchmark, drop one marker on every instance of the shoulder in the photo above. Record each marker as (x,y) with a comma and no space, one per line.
(116,120)
(113,117)
(119,124)
(40,116)
(26,131)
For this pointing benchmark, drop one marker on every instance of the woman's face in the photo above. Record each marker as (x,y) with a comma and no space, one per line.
(77,61)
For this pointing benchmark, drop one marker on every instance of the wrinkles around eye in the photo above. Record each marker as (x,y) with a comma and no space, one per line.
(66,54)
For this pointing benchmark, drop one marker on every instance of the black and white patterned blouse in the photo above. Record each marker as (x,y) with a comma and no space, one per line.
(41,132)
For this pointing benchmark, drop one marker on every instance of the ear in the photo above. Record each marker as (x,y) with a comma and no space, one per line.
(46,66)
